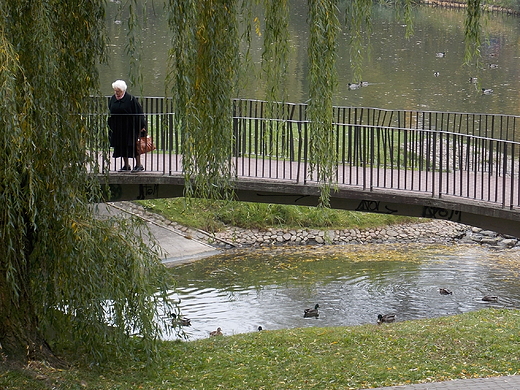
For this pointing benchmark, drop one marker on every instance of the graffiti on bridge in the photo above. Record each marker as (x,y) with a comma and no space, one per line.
(373,206)
(440,213)
(148,190)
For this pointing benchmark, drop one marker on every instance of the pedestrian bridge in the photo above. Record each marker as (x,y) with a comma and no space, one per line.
(454,166)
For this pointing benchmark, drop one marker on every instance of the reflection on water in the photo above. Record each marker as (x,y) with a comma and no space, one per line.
(402,73)
(270,288)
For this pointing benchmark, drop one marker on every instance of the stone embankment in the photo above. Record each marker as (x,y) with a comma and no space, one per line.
(435,231)
(463,4)
(438,231)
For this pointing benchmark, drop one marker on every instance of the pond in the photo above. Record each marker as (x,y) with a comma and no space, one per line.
(402,73)
(240,291)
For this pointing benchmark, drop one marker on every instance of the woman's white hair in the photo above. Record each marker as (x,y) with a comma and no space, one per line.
(119,84)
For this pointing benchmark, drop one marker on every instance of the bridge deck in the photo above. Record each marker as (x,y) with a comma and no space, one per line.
(457,166)
(477,199)
(498,190)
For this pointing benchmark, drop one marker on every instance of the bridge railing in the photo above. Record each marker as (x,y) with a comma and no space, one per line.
(441,153)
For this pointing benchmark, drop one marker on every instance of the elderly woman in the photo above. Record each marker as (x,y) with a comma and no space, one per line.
(127,123)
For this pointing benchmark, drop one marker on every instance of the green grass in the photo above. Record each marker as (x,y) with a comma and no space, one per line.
(214,216)
(478,344)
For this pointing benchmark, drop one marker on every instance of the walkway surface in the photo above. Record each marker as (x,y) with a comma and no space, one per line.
(177,246)
(494,383)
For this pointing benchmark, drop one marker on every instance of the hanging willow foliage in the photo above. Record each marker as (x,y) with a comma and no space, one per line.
(472,30)
(204,64)
(134,44)
(274,65)
(358,20)
(404,12)
(63,270)
(324,28)
(275,52)
(205,54)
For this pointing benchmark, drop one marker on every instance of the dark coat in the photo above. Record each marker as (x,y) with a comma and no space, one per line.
(125,122)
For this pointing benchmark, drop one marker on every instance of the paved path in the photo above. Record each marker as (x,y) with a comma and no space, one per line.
(495,383)
(177,247)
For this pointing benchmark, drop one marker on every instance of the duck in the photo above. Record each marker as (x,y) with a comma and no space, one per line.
(353,85)
(364,83)
(490,298)
(217,332)
(387,318)
(487,91)
(473,80)
(436,74)
(440,54)
(493,66)
(445,291)
(260,328)
(311,312)
(178,320)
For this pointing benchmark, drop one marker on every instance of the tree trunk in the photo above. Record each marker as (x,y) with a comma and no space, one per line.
(20,337)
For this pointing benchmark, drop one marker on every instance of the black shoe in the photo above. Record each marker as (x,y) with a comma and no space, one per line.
(125,169)
(138,168)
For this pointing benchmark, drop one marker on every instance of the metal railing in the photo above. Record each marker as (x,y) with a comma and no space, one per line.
(473,156)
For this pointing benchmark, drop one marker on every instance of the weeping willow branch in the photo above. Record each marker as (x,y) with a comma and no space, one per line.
(274,65)
(404,12)
(181,76)
(324,28)
(358,19)
(205,56)
(15,104)
(472,30)
(61,266)
(275,52)
(133,44)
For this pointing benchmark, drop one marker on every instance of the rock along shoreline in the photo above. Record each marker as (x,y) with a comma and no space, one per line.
(430,232)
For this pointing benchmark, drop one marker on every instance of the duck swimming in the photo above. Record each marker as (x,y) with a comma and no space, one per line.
(307,313)
(440,54)
(217,332)
(487,91)
(387,318)
(353,85)
(490,298)
(445,291)
(182,321)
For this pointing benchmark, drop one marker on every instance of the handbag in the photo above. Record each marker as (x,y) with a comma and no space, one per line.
(144,145)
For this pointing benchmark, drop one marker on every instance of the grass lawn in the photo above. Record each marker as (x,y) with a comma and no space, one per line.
(477,344)
(213,215)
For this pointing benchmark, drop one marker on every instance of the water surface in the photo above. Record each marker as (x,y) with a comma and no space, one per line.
(240,291)
(403,73)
